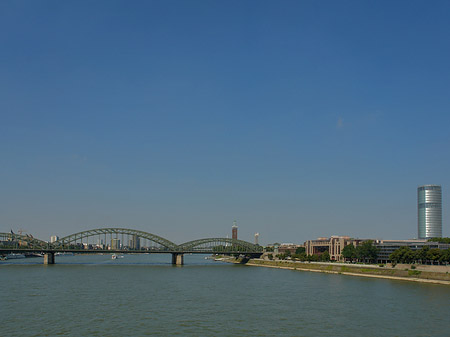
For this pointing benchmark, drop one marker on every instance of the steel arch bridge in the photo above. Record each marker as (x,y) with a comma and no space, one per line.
(123,240)
(73,239)
(219,245)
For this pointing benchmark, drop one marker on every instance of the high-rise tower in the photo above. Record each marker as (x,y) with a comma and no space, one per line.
(429,211)
(234,229)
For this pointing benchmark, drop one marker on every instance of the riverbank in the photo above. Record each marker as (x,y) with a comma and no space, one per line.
(388,272)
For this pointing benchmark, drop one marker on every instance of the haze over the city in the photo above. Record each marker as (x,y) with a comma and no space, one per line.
(298,119)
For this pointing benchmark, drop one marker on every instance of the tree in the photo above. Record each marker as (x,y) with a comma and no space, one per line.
(325,256)
(395,257)
(300,250)
(367,252)
(445,258)
(434,254)
(312,258)
(421,255)
(302,257)
(282,256)
(349,252)
(440,240)
(402,255)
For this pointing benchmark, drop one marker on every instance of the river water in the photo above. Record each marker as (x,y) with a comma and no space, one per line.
(144,295)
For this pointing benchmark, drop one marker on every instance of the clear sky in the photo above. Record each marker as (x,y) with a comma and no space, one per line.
(298,119)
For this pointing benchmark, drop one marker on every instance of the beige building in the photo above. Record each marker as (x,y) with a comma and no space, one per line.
(334,245)
(288,247)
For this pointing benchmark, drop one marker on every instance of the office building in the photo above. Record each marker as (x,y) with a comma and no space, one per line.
(135,242)
(333,245)
(429,211)
(115,244)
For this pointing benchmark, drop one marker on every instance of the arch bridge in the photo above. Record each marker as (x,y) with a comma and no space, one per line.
(123,240)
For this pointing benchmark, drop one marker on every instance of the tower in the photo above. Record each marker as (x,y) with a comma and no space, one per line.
(256,238)
(234,230)
(429,211)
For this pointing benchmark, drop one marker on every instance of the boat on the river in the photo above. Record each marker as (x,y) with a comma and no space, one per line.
(15,256)
(64,254)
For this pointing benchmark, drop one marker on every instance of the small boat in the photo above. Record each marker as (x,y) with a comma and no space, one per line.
(15,256)
(64,254)
(115,256)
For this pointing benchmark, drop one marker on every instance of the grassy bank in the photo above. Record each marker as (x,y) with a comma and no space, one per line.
(368,271)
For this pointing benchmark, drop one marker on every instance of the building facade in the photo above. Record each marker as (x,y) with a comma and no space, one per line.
(429,211)
(115,244)
(135,242)
(387,247)
(234,231)
(334,245)
(288,248)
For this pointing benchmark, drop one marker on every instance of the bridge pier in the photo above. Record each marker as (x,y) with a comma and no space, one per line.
(178,259)
(49,258)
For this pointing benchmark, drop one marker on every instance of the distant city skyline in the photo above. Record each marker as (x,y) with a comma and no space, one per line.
(299,119)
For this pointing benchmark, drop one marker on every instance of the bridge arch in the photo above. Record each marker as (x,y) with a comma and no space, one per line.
(78,237)
(220,245)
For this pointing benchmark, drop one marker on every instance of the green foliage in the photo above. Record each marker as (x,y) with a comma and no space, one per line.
(440,240)
(300,250)
(270,256)
(414,272)
(349,252)
(301,256)
(314,258)
(325,256)
(367,252)
(423,255)
(282,256)
(402,255)
(434,254)
(269,249)
(445,256)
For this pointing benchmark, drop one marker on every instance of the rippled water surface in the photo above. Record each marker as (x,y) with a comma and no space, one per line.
(145,295)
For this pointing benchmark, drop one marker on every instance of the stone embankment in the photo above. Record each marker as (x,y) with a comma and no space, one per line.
(419,273)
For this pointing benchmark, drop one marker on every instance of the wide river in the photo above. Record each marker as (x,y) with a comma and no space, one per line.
(144,295)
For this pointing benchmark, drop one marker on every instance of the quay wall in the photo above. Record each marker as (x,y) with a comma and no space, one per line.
(399,272)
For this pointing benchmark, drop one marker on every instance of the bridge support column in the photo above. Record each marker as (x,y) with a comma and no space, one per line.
(49,258)
(177,259)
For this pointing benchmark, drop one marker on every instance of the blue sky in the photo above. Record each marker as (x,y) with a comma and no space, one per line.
(298,119)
